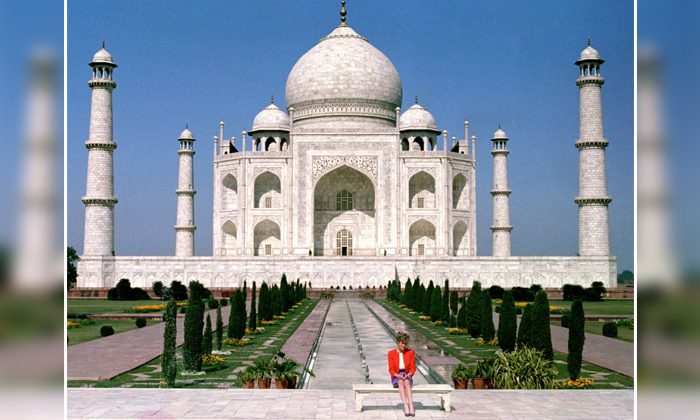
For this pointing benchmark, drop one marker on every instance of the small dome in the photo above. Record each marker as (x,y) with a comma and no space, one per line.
(186,135)
(271,118)
(102,56)
(417,118)
(589,54)
(500,134)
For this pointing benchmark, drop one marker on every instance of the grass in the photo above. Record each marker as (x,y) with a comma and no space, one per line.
(91,332)
(438,334)
(596,327)
(261,345)
(104,306)
(605,307)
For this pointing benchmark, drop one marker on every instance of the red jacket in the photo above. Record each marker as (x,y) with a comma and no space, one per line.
(409,360)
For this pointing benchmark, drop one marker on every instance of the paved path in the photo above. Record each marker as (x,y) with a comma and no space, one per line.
(123,403)
(340,362)
(107,357)
(298,347)
(609,353)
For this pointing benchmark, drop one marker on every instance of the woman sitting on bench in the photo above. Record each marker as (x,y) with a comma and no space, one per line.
(402,367)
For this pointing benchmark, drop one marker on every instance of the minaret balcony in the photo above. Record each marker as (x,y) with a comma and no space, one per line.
(185,228)
(586,144)
(604,201)
(590,80)
(501,228)
(96,201)
(100,145)
(501,192)
(185,192)
(106,83)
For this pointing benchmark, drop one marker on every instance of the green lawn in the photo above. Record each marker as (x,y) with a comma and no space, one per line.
(86,333)
(261,345)
(595,327)
(104,306)
(440,333)
(605,307)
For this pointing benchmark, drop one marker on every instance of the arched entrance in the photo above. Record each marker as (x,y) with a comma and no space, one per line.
(344,199)
(421,238)
(343,243)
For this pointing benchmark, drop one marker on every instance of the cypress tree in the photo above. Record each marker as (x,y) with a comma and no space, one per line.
(525,330)
(219,328)
(454,302)
(462,314)
(507,323)
(194,323)
(446,301)
(436,305)
(488,332)
(264,308)
(407,293)
(234,326)
(422,297)
(207,337)
(577,338)
(253,320)
(541,334)
(415,294)
(168,360)
(474,310)
(283,294)
(242,315)
(276,300)
(428,298)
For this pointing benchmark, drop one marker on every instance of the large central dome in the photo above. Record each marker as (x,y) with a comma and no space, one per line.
(344,75)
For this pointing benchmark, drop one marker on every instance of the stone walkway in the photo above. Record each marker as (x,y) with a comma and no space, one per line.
(107,357)
(298,347)
(120,403)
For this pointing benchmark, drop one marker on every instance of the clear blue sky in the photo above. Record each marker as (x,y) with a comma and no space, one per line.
(494,62)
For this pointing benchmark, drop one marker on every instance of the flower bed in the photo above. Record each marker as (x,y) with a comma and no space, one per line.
(236,342)
(424,317)
(439,322)
(492,342)
(72,324)
(144,309)
(256,331)
(575,384)
(210,360)
(458,331)
(264,322)
(277,317)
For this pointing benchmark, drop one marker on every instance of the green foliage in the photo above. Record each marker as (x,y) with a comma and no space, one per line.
(497,309)
(507,323)
(253,319)
(223,302)
(525,330)
(577,338)
(284,294)
(484,368)
(407,293)
(541,335)
(496,292)
(276,300)
(427,298)
(124,291)
(625,277)
(415,295)
(237,318)
(106,331)
(474,310)
(436,305)
(462,315)
(262,368)
(566,319)
(573,292)
(112,294)
(194,323)
(141,322)
(462,371)
(168,361)
(207,337)
(526,368)
(522,294)
(518,310)
(454,299)
(72,274)
(446,301)
(213,303)
(488,331)
(219,329)
(178,290)
(610,329)
(264,304)
(595,292)
(158,288)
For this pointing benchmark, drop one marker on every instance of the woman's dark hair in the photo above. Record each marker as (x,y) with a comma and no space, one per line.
(402,337)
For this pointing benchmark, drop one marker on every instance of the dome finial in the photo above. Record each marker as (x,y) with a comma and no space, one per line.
(499,126)
(103,43)
(342,14)
(416,99)
(186,126)
(272,98)
(589,41)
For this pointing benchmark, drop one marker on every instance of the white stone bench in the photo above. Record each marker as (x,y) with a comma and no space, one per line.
(363,390)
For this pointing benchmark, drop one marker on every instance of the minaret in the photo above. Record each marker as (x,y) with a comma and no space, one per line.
(184,229)
(593,199)
(99,197)
(501,207)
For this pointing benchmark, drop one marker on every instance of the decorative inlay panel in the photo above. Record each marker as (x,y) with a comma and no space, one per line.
(323,164)
(260,217)
(413,219)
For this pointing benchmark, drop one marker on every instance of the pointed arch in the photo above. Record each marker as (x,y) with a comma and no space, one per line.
(460,192)
(421,236)
(268,185)
(270,144)
(418,144)
(460,239)
(267,238)
(229,193)
(421,190)
(229,238)
(404,145)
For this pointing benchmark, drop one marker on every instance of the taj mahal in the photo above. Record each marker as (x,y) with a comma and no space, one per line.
(344,188)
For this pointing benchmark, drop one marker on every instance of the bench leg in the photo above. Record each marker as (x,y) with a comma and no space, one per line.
(445,400)
(358,401)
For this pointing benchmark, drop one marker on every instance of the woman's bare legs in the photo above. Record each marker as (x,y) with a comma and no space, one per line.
(403,391)
(409,395)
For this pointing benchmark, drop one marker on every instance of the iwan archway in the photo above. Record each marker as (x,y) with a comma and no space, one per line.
(345,222)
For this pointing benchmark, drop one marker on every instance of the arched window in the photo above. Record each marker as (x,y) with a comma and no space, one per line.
(270,142)
(404,145)
(460,194)
(343,201)
(343,243)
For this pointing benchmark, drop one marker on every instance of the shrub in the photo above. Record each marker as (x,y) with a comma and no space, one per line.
(253,319)
(523,294)
(446,301)
(213,304)
(112,294)
(577,338)
(535,288)
(265,310)
(219,328)
(454,305)
(138,293)
(106,331)
(140,322)
(566,319)
(595,292)
(223,302)
(488,331)
(474,310)
(525,368)
(408,289)
(462,316)
(497,309)
(496,292)
(207,337)
(573,292)
(168,361)
(436,305)
(524,332)
(507,323)
(157,288)
(178,290)
(124,290)
(183,310)
(518,310)
(610,329)
(541,334)
(236,327)
(428,298)
(194,323)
